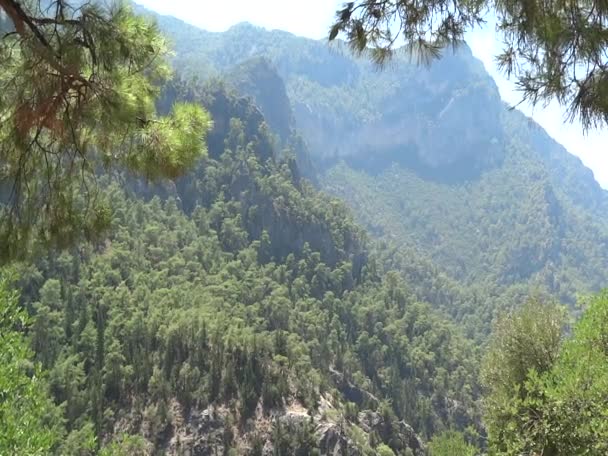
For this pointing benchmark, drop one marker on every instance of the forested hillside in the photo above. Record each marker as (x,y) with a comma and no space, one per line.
(430,159)
(242,293)
(296,254)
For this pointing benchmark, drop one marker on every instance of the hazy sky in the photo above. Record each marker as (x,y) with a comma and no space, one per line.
(313,18)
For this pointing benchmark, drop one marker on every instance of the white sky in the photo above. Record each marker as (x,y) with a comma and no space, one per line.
(313,18)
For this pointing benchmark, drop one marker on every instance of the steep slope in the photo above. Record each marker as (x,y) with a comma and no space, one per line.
(432,159)
(258,79)
(535,218)
(241,310)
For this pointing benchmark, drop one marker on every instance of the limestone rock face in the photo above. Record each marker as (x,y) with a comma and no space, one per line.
(201,434)
(333,442)
(214,431)
(401,435)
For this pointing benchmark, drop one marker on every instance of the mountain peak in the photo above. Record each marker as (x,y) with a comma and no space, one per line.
(244,25)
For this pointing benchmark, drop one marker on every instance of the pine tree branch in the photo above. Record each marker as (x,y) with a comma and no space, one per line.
(22,21)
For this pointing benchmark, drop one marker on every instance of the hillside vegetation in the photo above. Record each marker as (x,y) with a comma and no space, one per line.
(244,291)
(428,158)
(359,263)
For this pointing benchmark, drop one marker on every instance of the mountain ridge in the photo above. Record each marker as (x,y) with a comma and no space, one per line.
(446,135)
(168,24)
(241,311)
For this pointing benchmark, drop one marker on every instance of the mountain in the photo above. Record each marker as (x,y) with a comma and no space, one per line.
(429,158)
(257,79)
(240,311)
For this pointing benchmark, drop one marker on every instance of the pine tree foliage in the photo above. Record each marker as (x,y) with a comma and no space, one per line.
(29,421)
(77,94)
(554,50)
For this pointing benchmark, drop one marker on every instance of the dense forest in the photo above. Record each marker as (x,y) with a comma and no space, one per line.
(430,159)
(239,286)
(359,262)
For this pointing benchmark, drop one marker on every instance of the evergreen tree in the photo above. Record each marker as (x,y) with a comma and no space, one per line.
(555,50)
(29,422)
(77,93)
(545,397)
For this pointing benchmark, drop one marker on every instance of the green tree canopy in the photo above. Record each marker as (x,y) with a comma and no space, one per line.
(78,85)
(526,340)
(547,397)
(525,344)
(29,421)
(554,50)
(451,443)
